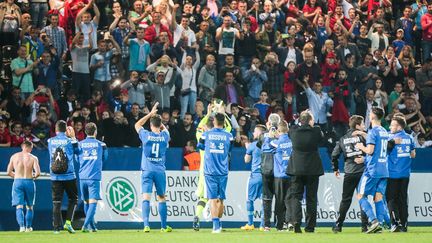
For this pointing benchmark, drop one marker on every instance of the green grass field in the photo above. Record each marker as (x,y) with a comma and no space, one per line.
(415,234)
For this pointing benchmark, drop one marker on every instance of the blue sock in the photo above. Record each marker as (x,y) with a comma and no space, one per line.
(29,218)
(91,211)
(250,211)
(381,212)
(146,212)
(20,216)
(162,208)
(367,208)
(85,208)
(216,224)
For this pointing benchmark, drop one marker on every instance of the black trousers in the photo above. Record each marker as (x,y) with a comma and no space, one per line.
(58,189)
(349,185)
(268,193)
(282,207)
(298,186)
(397,200)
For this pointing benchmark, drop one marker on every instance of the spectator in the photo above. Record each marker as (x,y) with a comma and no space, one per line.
(119,29)
(419,8)
(266,38)
(229,91)
(378,39)
(22,69)
(139,50)
(154,30)
(424,81)
(411,110)
(188,71)
(422,142)
(88,26)
(133,116)
(274,70)
(56,35)
(309,70)
(192,158)
(80,68)
(381,97)
(78,124)
(182,31)
(10,16)
(182,132)
(16,106)
(388,74)
(394,96)
(136,89)
(205,41)
(287,51)
(68,104)
(364,105)
(41,127)
(160,89)
(262,105)
(207,80)
(17,136)
(47,72)
(345,48)
(116,130)
(426,23)
(255,77)
(5,137)
(366,74)
(226,37)
(139,16)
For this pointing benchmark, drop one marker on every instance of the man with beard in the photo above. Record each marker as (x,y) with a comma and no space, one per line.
(183,132)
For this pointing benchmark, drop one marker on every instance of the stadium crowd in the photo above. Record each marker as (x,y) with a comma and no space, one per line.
(107,62)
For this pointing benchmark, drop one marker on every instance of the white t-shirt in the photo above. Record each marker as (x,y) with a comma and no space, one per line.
(178,34)
(86,29)
(227,43)
(80,59)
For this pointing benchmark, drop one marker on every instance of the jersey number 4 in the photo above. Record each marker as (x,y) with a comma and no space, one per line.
(155,150)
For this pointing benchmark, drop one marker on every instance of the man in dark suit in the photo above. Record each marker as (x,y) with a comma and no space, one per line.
(305,168)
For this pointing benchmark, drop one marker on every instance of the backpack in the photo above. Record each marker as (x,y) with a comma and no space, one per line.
(59,160)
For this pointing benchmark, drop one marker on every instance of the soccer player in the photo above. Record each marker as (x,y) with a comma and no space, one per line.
(205,124)
(217,144)
(283,150)
(374,179)
(401,153)
(24,168)
(154,147)
(63,182)
(254,189)
(92,153)
(354,167)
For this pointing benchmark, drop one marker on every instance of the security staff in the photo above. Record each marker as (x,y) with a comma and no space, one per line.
(354,166)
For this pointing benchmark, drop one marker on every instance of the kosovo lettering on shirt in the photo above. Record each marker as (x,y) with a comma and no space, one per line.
(399,159)
(283,152)
(92,153)
(154,149)
(70,148)
(376,163)
(217,145)
(255,152)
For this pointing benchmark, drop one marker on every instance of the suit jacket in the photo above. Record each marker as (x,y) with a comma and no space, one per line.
(305,159)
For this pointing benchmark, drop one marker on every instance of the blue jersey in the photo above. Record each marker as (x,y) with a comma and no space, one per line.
(154,147)
(70,148)
(216,144)
(255,152)
(266,147)
(282,155)
(399,159)
(376,165)
(92,153)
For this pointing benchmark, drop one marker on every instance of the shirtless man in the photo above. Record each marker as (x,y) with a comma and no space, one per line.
(24,168)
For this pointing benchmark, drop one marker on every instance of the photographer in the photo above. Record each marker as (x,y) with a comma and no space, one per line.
(136,88)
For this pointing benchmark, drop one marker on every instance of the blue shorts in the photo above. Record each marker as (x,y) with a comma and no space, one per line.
(158,178)
(23,192)
(254,190)
(90,189)
(370,186)
(216,186)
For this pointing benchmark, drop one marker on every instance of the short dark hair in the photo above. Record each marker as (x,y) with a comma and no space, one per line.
(378,112)
(400,120)
(27,144)
(156,120)
(305,117)
(90,129)
(355,120)
(220,119)
(192,143)
(61,126)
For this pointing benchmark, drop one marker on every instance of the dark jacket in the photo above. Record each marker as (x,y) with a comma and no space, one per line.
(305,159)
(346,146)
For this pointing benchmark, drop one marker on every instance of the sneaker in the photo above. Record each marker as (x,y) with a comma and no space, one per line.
(364,229)
(29,229)
(56,232)
(306,230)
(261,228)
(290,227)
(266,229)
(297,229)
(218,231)
(337,229)
(196,223)
(85,230)
(146,229)
(404,229)
(396,228)
(248,227)
(22,229)
(93,227)
(285,226)
(166,230)
(69,228)
(375,227)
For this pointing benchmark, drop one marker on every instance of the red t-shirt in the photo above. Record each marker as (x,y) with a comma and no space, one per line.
(5,136)
(16,141)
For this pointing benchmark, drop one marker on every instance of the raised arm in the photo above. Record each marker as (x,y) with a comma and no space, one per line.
(81,12)
(140,123)
(173,17)
(97,14)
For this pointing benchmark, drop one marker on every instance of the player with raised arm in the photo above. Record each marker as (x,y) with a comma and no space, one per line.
(401,153)
(254,188)
(374,178)
(217,144)
(206,124)
(92,153)
(154,147)
(24,168)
